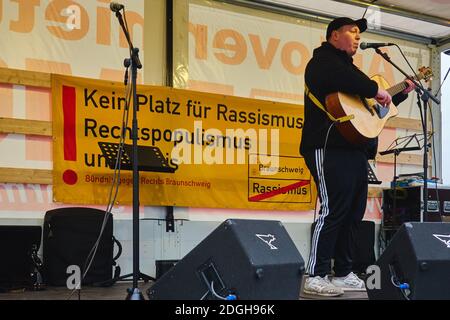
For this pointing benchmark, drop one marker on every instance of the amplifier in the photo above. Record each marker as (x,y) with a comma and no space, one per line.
(409,205)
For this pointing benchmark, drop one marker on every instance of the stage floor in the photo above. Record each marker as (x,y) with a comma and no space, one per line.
(119,292)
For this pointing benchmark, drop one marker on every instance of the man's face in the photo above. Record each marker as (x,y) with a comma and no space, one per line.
(346,38)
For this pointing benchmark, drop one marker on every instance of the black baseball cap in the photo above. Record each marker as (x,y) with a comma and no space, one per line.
(344,21)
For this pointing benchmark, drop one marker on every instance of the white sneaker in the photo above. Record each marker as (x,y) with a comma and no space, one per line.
(321,287)
(350,282)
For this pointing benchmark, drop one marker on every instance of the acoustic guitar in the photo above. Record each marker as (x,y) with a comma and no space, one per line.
(369,117)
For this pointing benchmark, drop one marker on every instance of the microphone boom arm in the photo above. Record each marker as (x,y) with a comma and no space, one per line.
(418,85)
(134,51)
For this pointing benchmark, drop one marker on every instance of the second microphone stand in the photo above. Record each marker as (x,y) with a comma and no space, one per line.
(422,95)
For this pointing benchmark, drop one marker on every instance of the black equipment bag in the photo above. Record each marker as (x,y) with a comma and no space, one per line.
(20,266)
(68,238)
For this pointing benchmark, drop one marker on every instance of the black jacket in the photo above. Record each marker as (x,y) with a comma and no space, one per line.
(331,70)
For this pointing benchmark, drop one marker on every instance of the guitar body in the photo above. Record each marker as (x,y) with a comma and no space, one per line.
(369,119)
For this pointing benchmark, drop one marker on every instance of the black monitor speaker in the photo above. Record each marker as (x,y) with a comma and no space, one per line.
(242,259)
(415,265)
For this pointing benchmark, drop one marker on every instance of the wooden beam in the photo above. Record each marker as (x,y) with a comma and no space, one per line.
(25,78)
(34,176)
(375,192)
(404,123)
(21,126)
(41,79)
(40,176)
(403,158)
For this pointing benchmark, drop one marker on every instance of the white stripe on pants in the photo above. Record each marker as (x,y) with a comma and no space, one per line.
(324,210)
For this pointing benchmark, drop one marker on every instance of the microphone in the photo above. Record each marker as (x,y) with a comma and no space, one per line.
(374,45)
(116,7)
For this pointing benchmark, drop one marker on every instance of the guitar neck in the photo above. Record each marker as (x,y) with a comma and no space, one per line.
(397,88)
(403,85)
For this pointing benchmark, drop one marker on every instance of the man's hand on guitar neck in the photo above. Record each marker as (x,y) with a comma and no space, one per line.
(411,86)
(383,97)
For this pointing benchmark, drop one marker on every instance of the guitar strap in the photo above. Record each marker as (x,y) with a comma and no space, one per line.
(318,104)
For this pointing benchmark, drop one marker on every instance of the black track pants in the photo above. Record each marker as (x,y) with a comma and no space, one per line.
(342,188)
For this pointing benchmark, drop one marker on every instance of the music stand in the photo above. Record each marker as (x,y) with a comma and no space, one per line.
(398,146)
(150,159)
(371,177)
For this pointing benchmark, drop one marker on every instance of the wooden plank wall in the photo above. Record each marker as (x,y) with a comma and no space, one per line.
(44,128)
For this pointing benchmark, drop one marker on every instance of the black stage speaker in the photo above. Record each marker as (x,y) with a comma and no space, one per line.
(19,246)
(251,259)
(68,237)
(416,264)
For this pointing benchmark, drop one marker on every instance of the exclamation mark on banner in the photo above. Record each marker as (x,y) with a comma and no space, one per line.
(70,143)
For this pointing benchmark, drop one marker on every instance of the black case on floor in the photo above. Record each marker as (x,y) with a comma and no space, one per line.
(68,237)
(20,264)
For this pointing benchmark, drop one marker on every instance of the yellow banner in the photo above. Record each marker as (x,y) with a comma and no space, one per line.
(195,149)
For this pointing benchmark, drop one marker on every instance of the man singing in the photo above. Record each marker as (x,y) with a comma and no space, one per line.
(339,168)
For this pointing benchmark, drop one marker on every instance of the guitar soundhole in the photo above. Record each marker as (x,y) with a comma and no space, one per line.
(381,111)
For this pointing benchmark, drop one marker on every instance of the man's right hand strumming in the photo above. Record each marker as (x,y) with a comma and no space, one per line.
(383,97)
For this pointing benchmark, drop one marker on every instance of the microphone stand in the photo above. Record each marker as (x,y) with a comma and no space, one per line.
(422,95)
(134,63)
